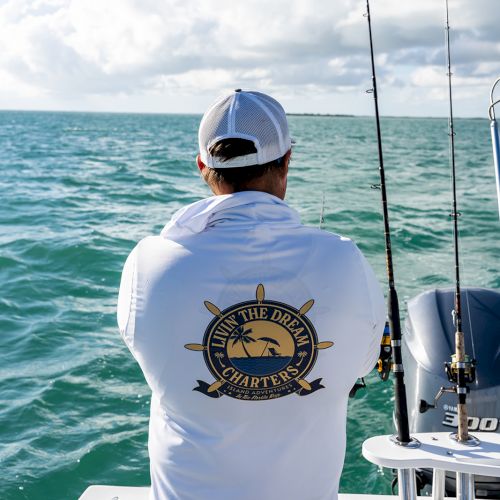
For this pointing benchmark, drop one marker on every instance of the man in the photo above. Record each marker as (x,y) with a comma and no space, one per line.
(250,328)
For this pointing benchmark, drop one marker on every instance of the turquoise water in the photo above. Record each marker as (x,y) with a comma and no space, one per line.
(78,190)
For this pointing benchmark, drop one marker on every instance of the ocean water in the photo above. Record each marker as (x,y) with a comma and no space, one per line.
(78,190)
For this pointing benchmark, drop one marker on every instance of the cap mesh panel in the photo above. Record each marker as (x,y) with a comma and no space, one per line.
(253,120)
(216,122)
(252,112)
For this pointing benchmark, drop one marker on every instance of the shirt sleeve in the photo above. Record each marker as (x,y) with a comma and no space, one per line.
(127,300)
(378,310)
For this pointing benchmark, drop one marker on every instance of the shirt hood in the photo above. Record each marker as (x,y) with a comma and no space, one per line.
(254,205)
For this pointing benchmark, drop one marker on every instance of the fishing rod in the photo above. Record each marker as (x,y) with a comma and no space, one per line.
(400,404)
(461,369)
(322,213)
(495,138)
(458,365)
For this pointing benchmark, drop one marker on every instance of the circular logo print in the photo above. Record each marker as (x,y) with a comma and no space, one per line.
(259,350)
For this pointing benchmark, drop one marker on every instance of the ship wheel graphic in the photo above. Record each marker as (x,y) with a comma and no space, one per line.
(259,350)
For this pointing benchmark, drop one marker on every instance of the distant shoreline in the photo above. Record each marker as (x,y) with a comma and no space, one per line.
(330,115)
(340,115)
(309,115)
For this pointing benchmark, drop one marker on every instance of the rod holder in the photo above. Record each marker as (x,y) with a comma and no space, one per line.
(471,440)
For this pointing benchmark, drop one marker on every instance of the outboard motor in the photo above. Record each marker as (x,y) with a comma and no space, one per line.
(428,343)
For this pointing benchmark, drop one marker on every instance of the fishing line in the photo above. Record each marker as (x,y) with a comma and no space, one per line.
(471,330)
(463,269)
(493,103)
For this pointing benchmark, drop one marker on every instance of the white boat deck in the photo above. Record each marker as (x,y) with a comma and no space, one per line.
(97,492)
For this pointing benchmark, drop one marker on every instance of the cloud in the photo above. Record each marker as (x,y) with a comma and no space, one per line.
(75,48)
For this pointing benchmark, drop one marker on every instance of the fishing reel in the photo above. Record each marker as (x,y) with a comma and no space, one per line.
(384,363)
(451,370)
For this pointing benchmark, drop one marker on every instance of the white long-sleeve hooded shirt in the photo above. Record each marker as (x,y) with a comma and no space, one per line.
(250,329)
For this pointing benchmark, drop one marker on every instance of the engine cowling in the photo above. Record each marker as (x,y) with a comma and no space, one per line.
(428,343)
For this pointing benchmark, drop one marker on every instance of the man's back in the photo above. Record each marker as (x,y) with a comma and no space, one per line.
(250,329)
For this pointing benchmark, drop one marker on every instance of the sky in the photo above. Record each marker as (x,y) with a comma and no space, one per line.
(177,56)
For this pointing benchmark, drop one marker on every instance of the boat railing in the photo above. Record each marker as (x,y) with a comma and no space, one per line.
(439,451)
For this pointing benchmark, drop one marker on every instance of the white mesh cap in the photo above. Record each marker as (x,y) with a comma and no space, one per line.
(247,115)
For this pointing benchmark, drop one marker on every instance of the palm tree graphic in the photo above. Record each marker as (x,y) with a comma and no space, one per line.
(219,356)
(301,355)
(268,340)
(242,336)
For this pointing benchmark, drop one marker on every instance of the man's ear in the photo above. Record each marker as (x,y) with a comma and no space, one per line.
(201,165)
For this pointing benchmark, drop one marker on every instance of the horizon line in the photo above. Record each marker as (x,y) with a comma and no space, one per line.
(163,113)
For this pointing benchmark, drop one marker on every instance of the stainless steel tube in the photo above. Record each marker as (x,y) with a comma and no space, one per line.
(438,484)
(406,484)
(465,486)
